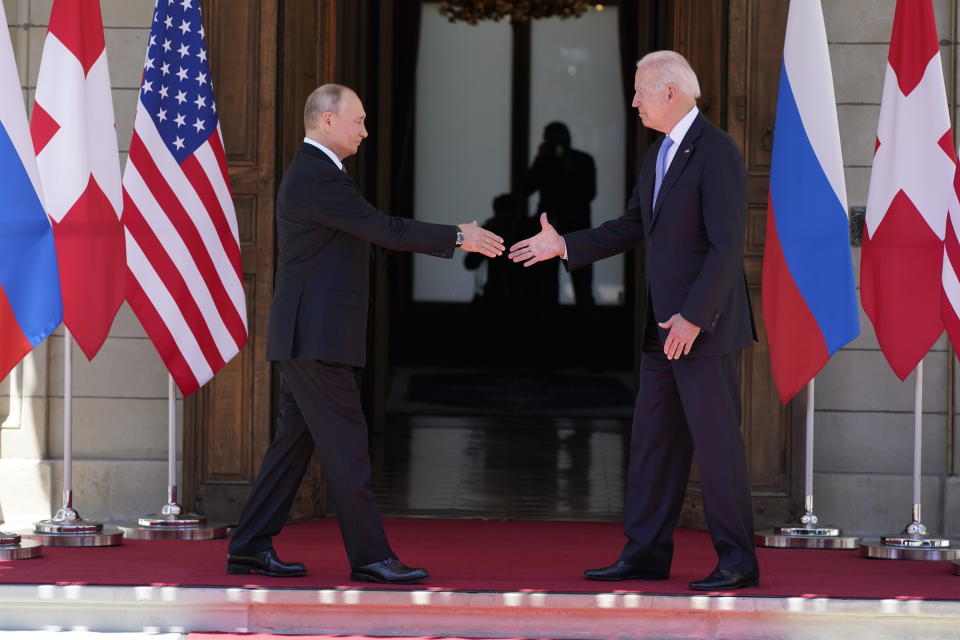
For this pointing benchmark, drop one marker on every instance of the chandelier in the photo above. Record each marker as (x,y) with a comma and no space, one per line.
(473,11)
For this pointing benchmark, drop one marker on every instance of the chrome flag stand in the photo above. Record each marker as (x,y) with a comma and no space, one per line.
(809,534)
(172,523)
(67,528)
(12,547)
(913,543)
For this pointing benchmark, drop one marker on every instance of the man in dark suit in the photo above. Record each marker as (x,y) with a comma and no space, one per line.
(690,207)
(567,181)
(317,335)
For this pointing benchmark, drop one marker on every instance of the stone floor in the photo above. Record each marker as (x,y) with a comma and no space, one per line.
(503,467)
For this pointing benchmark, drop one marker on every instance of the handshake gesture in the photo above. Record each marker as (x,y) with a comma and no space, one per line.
(543,246)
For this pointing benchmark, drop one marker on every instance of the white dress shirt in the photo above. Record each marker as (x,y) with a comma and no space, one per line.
(332,155)
(677,134)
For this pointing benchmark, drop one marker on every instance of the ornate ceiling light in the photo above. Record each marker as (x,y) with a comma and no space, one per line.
(473,11)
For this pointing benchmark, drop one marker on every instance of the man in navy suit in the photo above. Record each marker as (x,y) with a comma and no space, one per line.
(317,335)
(690,207)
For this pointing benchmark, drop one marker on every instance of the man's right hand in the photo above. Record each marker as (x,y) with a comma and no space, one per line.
(476,238)
(543,246)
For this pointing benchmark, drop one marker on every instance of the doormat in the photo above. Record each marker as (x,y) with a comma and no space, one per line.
(541,393)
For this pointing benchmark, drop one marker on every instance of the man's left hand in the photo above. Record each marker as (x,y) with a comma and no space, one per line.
(681,336)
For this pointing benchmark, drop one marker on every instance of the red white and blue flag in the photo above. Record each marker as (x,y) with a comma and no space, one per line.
(75,140)
(809,295)
(30,306)
(911,190)
(183,251)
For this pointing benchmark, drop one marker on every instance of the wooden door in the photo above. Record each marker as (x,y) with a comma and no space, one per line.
(736,47)
(265,56)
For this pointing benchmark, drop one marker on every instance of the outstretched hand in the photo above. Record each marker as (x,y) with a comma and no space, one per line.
(681,336)
(543,246)
(476,238)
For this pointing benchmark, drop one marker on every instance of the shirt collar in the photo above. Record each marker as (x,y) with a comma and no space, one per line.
(332,155)
(680,129)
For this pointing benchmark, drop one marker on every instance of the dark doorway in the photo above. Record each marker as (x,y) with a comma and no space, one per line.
(474,115)
(486,407)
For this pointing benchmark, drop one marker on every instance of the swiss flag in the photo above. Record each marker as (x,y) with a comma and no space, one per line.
(75,140)
(911,190)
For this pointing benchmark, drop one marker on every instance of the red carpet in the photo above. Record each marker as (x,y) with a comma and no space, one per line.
(473,555)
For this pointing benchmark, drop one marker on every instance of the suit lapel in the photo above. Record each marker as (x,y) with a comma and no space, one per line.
(680,159)
(311,150)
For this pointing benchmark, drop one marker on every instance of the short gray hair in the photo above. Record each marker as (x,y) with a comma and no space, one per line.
(669,67)
(324,98)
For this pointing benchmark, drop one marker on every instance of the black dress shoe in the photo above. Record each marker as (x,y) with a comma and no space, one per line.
(621,570)
(389,571)
(266,563)
(725,579)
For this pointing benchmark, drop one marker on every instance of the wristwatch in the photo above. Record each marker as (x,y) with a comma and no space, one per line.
(459,237)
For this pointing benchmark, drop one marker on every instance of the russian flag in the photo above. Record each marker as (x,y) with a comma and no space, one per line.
(30,307)
(809,296)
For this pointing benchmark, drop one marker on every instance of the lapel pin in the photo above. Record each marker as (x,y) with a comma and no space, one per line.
(687,150)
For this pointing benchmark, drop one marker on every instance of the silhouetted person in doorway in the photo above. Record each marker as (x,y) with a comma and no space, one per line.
(505,287)
(567,181)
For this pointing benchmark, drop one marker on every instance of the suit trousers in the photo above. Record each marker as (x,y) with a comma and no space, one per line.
(685,407)
(319,408)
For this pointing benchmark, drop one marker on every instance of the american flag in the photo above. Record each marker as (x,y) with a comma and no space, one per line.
(183,252)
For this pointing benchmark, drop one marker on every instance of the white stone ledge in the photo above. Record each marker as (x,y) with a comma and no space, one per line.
(465,614)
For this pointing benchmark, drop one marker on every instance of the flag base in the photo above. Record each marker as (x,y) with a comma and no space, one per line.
(918,549)
(173,523)
(148,528)
(804,538)
(807,531)
(107,536)
(12,547)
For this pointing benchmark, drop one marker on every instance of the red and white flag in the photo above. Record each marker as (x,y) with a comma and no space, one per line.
(75,140)
(183,250)
(911,189)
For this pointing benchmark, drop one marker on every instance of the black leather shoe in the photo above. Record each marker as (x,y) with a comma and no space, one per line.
(725,579)
(266,563)
(389,571)
(621,570)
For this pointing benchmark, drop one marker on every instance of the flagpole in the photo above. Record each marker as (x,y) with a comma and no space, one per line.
(66,528)
(913,543)
(172,522)
(809,535)
(171,449)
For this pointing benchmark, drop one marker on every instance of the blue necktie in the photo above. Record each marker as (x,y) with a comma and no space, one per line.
(661,167)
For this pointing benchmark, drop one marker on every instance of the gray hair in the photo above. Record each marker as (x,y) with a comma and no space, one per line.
(324,98)
(669,67)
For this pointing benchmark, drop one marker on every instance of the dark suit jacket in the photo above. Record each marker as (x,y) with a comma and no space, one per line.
(325,229)
(694,235)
